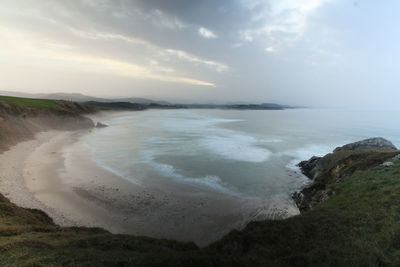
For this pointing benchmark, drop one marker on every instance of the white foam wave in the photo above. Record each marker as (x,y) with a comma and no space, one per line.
(204,134)
(191,123)
(271,141)
(210,181)
(236,147)
(96,159)
(292,165)
(307,152)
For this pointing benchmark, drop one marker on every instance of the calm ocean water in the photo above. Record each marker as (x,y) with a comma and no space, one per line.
(242,153)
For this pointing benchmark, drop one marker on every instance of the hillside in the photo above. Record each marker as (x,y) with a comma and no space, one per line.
(354,223)
(22,118)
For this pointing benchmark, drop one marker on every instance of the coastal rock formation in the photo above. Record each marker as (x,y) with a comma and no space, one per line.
(101,125)
(310,167)
(334,167)
(376,142)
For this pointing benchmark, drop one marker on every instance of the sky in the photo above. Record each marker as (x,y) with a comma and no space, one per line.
(333,53)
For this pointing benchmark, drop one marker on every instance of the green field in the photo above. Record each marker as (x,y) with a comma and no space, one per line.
(30,102)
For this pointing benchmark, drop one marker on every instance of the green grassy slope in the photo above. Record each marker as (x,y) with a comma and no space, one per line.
(30,102)
(22,118)
(358,226)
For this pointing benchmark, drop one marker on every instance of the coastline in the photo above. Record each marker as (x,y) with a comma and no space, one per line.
(12,184)
(360,209)
(30,235)
(55,173)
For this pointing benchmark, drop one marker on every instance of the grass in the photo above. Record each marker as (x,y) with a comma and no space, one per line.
(359,225)
(30,102)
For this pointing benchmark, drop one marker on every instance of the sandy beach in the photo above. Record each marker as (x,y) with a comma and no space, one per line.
(55,173)
(12,184)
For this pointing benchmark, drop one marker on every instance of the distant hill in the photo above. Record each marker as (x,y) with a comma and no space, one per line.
(78,97)
(143,103)
(75,97)
(19,94)
(137,106)
(116,105)
(140,100)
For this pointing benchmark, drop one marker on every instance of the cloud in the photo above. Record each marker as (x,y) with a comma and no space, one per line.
(25,49)
(279,22)
(160,19)
(219,67)
(101,48)
(206,33)
(270,49)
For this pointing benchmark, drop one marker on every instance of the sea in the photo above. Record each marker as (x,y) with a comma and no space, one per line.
(243,153)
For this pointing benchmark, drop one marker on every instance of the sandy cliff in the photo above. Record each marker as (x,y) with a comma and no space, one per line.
(21,123)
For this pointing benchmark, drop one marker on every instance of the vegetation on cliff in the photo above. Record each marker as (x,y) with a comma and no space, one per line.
(30,102)
(327,171)
(22,118)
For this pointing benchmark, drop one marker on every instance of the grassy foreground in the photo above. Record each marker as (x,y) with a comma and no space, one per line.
(359,225)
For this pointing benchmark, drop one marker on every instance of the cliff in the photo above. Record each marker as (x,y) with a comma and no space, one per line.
(22,118)
(329,170)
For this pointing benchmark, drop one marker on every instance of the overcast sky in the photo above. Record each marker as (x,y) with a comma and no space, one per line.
(302,52)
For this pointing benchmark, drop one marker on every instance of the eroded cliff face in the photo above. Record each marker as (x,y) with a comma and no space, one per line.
(19,123)
(326,171)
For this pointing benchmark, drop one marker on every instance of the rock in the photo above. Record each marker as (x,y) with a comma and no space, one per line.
(387,164)
(334,167)
(377,142)
(101,125)
(310,167)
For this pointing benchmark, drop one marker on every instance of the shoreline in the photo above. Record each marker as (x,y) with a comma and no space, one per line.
(55,173)
(12,184)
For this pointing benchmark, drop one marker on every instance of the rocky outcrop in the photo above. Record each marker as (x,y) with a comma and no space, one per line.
(101,125)
(334,167)
(376,142)
(310,168)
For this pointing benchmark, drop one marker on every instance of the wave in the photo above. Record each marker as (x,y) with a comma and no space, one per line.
(226,143)
(181,134)
(190,123)
(271,141)
(235,147)
(210,181)
(96,159)
(306,152)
